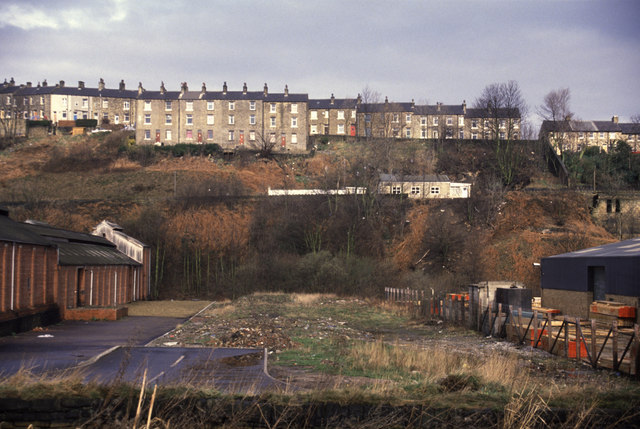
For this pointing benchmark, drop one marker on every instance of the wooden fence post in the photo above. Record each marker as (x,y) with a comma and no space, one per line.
(535,327)
(636,349)
(549,332)
(566,336)
(578,340)
(594,357)
(614,344)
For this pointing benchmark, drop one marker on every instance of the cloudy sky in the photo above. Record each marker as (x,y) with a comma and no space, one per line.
(430,51)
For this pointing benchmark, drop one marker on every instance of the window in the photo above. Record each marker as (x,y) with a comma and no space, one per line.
(232,120)
(502,123)
(189,134)
(581,135)
(272,108)
(209,134)
(434,190)
(396,190)
(460,121)
(272,122)
(168,119)
(252,105)
(232,105)
(314,129)
(147,105)
(340,114)
(147,118)
(210,105)
(591,136)
(340,128)
(294,122)
(415,190)
(395,117)
(85,102)
(407,133)
(210,120)
(501,135)
(231,135)
(449,120)
(126,105)
(367,117)
(189,106)
(167,105)
(325,114)
(474,123)
(408,117)
(252,119)
(474,136)
(435,134)
(601,135)
(314,114)
(353,114)
(272,138)
(423,121)
(116,119)
(167,134)
(147,134)
(105,104)
(294,138)
(423,133)
(435,120)
(252,135)
(294,108)
(41,99)
(486,123)
(126,118)
(461,134)
(64,115)
(189,119)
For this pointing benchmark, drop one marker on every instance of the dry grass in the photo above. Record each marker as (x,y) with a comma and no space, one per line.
(26,384)
(166,308)
(310,298)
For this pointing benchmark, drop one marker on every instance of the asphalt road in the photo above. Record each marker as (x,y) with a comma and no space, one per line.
(107,351)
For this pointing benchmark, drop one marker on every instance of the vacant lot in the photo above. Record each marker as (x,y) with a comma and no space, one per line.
(323,342)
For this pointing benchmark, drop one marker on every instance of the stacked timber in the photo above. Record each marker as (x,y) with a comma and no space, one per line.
(608,311)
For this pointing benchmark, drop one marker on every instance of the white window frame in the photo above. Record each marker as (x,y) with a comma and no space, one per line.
(188,107)
(272,122)
(147,134)
(294,138)
(211,105)
(231,135)
(340,114)
(167,134)
(232,120)
(210,119)
(189,119)
(168,105)
(252,105)
(147,118)
(126,105)
(340,129)
(435,190)
(232,105)
(168,119)
(294,107)
(396,189)
(408,118)
(252,119)
(313,115)
(252,135)
(272,108)
(415,190)
(435,120)
(314,129)
(294,122)
(147,105)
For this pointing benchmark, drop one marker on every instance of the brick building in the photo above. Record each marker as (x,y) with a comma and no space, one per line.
(72,274)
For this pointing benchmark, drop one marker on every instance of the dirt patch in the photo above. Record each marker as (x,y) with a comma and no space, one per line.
(166,308)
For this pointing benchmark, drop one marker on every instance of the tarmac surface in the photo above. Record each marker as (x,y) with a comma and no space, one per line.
(108,351)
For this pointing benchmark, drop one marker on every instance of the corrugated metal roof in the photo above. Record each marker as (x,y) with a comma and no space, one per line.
(17,232)
(626,248)
(58,234)
(92,254)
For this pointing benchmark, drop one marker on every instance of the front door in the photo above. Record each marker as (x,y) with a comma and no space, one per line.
(598,283)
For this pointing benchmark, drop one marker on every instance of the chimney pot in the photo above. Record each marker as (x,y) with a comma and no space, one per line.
(244,88)
(61,83)
(224,88)
(80,84)
(122,86)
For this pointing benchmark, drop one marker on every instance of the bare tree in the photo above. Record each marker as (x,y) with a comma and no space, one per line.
(12,121)
(504,107)
(557,113)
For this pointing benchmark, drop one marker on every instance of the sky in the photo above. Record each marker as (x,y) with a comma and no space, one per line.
(428,51)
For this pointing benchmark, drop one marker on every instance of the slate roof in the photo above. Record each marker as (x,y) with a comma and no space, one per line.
(414,178)
(626,248)
(74,248)
(389,107)
(338,103)
(590,126)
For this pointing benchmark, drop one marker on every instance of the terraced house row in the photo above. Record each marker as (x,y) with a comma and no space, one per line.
(252,119)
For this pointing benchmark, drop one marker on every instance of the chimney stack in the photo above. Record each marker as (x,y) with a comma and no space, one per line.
(140,88)
(464,106)
(333,99)
(100,84)
(61,83)
(244,88)
(614,119)
(162,88)
(121,87)
(184,88)
(44,83)
(29,85)
(266,90)
(224,88)
(80,84)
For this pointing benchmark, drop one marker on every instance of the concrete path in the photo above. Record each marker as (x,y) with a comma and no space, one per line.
(108,351)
